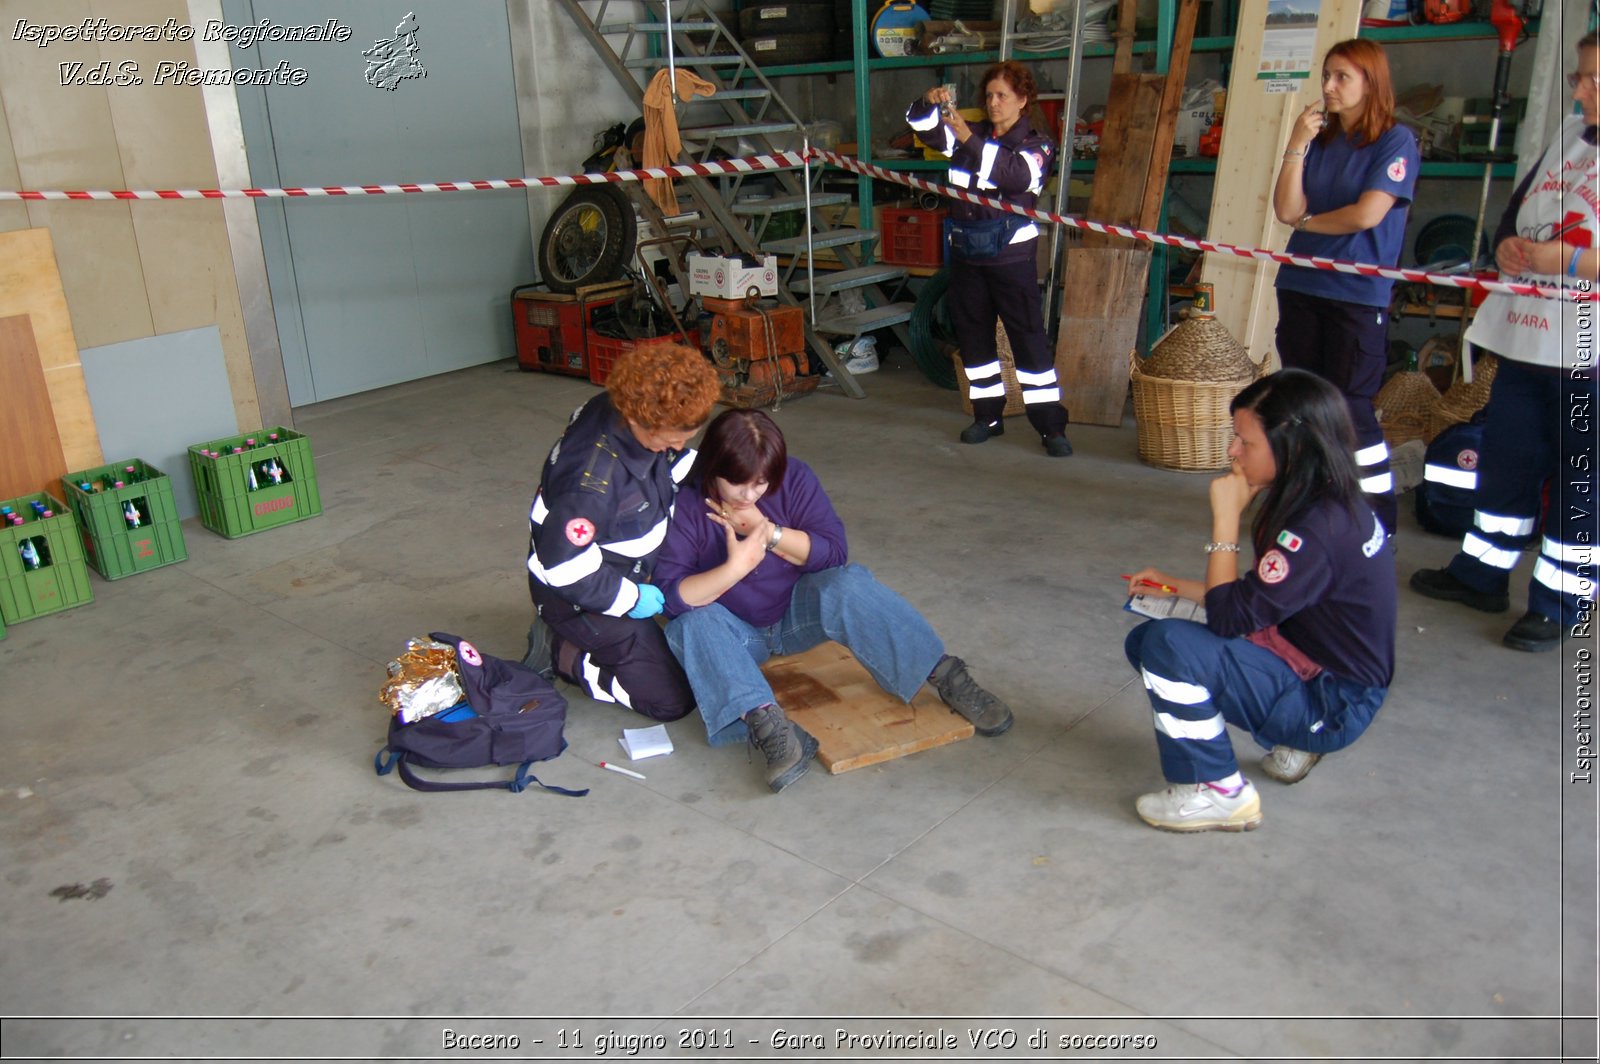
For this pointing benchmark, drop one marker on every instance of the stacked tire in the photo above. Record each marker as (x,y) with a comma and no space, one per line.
(784,32)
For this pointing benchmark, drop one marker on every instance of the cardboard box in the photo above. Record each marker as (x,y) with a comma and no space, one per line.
(731,278)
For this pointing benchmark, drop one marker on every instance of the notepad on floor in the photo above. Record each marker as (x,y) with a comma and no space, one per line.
(1162,607)
(640,743)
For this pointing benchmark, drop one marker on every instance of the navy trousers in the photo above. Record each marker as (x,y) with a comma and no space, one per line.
(1009,291)
(1347,345)
(1539,428)
(1199,683)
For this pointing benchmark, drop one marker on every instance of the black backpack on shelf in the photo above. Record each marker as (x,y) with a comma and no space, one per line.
(512,716)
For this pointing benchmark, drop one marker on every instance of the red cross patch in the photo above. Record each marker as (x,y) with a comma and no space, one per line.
(1397,169)
(1273,567)
(1467,459)
(580,531)
(469,654)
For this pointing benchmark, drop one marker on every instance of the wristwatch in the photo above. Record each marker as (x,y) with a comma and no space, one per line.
(1300,224)
(772,540)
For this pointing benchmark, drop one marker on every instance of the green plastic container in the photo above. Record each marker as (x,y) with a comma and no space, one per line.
(129,529)
(282,474)
(60,580)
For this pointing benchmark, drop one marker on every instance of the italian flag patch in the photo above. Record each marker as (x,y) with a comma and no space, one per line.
(1289,541)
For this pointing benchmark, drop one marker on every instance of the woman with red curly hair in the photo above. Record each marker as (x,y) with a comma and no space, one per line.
(597,522)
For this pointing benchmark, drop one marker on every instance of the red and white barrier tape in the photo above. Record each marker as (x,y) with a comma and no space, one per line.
(788,160)
(1568,292)
(795,160)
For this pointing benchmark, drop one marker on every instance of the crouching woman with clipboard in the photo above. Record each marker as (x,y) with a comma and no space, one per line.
(1298,649)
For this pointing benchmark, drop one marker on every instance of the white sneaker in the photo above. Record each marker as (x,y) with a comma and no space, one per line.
(1288,765)
(865,362)
(1201,807)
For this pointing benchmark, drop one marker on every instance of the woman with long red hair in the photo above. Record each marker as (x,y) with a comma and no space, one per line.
(1345,185)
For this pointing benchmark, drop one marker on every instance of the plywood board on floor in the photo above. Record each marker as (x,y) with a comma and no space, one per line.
(856,722)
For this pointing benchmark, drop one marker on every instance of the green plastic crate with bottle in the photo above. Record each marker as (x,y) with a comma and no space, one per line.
(250,483)
(41,559)
(126,517)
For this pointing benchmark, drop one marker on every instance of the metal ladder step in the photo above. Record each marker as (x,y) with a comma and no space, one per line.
(685,60)
(657,27)
(702,134)
(796,245)
(756,93)
(838,280)
(865,321)
(779,204)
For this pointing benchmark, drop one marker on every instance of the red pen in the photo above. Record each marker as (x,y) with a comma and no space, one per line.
(1151,583)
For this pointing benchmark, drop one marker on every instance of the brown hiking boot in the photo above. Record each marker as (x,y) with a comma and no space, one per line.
(787,747)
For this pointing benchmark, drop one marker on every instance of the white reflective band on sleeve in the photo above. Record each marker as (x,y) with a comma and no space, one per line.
(1178,728)
(1035,174)
(1184,694)
(1560,580)
(1041,395)
(591,680)
(983,372)
(568,572)
(681,467)
(539,512)
(986,391)
(1047,376)
(627,598)
(1487,552)
(991,152)
(1378,452)
(1452,477)
(1505,526)
(959,178)
(1567,553)
(1027,232)
(1382,484)
(639,547)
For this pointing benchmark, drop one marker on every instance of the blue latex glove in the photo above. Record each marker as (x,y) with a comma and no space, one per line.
(650,603)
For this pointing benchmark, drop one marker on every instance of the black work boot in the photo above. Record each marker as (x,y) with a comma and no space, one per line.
(989,715)
(787,747)
(1442,584)
(1533,632)
(979,431)
(539,658)
(1057,446)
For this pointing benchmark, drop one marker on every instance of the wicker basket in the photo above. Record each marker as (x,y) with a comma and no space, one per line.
(1199,348)
(1463,400)
(1008,374)
(1405,407)
(1184,425)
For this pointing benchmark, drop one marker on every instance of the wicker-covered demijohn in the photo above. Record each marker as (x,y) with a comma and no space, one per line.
(1462,400)
(1181,395)
(1405,407)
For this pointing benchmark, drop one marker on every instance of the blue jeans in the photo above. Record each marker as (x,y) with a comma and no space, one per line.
(722,654)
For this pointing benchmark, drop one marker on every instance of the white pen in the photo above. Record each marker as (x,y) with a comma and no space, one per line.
(619,768)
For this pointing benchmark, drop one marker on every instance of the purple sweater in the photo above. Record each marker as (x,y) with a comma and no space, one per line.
(696,544)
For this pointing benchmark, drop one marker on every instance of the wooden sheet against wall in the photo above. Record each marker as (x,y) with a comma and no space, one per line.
(31,285)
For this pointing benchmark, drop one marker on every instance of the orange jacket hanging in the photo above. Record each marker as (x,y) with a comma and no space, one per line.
(661,141)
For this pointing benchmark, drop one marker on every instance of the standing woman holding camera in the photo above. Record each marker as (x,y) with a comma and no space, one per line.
(1345,185)
(994,270)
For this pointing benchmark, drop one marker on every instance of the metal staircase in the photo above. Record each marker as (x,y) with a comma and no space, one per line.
(746,110)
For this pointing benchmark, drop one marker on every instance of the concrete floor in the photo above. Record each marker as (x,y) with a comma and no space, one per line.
(200,737)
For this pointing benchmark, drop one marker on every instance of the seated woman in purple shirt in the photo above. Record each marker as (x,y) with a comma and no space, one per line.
(755,564)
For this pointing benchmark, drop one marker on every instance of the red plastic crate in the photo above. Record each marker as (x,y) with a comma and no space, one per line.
(912,236)
(605,350)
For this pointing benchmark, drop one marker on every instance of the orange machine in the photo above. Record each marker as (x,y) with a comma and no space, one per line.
(758,347)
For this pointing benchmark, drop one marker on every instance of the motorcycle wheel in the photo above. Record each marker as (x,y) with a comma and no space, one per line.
(588,239)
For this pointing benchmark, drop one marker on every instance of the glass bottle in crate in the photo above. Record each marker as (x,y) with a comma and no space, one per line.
(130,515)
(30,555)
